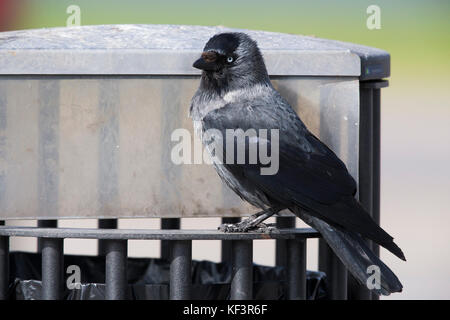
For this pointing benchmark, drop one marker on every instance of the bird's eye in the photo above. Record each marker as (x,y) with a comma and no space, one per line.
(230,59)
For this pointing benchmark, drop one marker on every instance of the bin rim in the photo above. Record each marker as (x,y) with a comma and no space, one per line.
(138,49)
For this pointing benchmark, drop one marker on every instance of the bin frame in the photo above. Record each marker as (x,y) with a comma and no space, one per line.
(180,253)
(375,66)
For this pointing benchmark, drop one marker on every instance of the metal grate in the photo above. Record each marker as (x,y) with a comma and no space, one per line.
(290,248)
(179,242)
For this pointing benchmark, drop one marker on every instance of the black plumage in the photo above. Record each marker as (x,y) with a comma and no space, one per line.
(311,181)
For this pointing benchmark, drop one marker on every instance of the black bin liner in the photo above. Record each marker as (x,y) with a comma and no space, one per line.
(149,279)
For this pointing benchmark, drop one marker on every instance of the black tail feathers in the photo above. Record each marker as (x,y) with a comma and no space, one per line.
(354,253)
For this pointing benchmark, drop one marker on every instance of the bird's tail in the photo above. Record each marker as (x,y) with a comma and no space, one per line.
(354,253)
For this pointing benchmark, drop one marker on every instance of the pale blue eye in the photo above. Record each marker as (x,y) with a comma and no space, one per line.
(230,59)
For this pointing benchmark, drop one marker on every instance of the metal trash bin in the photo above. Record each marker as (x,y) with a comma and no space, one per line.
(86,116)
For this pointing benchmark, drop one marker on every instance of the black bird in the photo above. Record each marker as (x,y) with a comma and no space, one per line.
(235,92)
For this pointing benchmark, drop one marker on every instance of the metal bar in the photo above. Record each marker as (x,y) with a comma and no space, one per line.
(226,244)
(335,275)
(337,279)
(366,149)
(376,167)
(180,269)
(105,224)
(168,224)
(365,185)
(116,269)
(52,268)
(374,102)
(45,224)
(153,234)
(324,256)
(376,117)
(242,279)
(335,271)
(280,244)
(296,269)
(4,267)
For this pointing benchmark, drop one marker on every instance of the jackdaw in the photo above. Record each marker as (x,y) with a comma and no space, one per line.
(235,92)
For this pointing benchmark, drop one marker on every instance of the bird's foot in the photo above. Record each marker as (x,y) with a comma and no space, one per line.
(248,225)
(266,228)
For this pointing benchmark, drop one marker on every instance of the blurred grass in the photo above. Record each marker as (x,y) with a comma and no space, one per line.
(416,33)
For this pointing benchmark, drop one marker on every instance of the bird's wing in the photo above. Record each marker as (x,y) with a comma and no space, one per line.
(307,166)
(310,175)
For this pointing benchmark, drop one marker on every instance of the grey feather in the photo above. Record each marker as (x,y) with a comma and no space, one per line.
(312,181)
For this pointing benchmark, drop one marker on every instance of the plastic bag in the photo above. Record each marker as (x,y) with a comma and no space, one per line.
(149,279)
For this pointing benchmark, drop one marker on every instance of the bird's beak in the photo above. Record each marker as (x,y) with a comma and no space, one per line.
(207,61)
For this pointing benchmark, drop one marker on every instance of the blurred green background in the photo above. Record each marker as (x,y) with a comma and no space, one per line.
(415,175)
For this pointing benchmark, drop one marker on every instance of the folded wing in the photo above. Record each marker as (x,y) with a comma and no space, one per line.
(310,175)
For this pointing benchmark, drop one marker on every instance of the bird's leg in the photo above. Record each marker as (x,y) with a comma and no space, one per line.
(254,222)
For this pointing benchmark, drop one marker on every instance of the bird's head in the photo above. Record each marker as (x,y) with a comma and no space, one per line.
(232,60)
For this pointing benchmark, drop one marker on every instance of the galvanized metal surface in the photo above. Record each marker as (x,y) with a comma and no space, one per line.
(98,146)
(45,224)
(376,153)
(337,277)
(281,244)
(105,224)
(369,188)
(225,251)
(335,271)
(376,145)
(79,147)
(180,269)
(116,285)
(242,262)
(168,224)
(116,269)
(296,269)
(170,50)
(52,268)
(148,234)
(365,185)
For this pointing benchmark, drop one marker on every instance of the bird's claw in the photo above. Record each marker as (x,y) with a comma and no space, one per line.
(247,226)
(266,228)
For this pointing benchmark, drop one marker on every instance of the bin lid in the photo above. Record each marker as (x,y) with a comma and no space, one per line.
(171,50)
